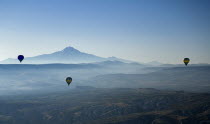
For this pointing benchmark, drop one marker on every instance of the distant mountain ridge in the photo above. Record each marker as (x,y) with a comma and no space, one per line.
(67,55)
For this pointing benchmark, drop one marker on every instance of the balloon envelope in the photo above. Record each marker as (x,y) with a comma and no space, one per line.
(20,58)
(68,80)
(186,61)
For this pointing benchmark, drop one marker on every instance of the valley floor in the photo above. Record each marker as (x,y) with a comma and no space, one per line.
(107,106)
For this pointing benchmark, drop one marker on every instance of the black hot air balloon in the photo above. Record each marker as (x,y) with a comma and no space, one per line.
(20,58)
(186,61)
(68,80)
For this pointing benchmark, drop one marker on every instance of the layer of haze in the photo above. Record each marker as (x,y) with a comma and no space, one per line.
(139,30)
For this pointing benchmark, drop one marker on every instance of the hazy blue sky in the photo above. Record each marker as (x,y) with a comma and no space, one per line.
(140,30)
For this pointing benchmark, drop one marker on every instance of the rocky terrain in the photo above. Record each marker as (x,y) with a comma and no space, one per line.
(88,105)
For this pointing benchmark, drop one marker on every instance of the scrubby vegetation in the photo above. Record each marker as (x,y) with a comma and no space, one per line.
(106,106)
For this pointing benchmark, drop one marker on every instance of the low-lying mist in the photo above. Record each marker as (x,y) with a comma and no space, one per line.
(18,79)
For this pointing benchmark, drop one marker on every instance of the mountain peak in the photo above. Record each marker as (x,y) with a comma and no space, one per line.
(70,49)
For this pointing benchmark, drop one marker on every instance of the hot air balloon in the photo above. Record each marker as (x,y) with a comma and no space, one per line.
(186,61)
(68,80)
(20,58)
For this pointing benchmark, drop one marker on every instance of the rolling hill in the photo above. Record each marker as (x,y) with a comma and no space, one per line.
(195,78)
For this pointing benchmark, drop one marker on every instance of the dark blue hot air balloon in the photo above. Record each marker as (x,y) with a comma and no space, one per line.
(20,58)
